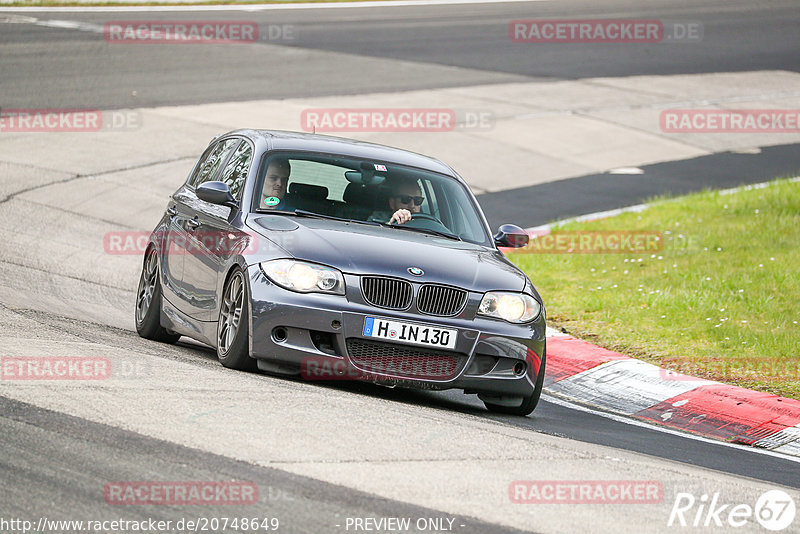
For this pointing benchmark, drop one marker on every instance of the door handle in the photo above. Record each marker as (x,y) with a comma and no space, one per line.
(172,211)
(193,223)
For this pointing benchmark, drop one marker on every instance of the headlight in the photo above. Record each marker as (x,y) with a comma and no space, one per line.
(511,307)
(304,277)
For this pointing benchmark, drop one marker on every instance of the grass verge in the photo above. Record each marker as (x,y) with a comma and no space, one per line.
(718,297)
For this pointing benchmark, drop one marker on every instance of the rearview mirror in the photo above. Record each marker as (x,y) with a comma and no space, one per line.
(511,235)
(216,193)
(366,175)
(364,178)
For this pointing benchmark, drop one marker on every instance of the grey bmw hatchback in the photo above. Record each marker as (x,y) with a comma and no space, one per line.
(335,259)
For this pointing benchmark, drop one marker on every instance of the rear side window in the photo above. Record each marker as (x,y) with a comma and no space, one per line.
(208,167)
(235,172)
(330,177)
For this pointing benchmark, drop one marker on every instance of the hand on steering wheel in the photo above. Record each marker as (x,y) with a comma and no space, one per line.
(400,216)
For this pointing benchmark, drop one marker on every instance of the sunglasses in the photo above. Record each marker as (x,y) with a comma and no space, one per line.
(406,199)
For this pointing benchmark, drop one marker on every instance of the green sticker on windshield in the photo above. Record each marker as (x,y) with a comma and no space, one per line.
(272,201)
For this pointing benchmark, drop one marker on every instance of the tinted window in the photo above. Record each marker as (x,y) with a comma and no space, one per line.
(356,189)
(207,168)
(330,177)
(235,172)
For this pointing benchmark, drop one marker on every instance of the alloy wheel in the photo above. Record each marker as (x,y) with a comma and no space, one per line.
(147,287)
(231,313)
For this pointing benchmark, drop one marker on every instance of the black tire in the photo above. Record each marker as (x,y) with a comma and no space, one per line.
(233,349)
(148,303)
(528,403)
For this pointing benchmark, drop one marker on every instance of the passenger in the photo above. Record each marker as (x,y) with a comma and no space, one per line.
(275,182)
(405,200)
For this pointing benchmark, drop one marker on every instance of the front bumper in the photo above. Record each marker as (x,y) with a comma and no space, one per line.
(322,336)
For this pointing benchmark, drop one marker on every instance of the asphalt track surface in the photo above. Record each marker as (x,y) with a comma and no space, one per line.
(48,68)
(541,204)
(84,456)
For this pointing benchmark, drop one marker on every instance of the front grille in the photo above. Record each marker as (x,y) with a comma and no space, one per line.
(390,359)
(441,300)
(386,292)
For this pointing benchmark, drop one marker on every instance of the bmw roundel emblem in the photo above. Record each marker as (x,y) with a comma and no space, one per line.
(416,271)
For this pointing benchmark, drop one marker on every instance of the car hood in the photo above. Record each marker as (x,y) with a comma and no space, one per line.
(364,249)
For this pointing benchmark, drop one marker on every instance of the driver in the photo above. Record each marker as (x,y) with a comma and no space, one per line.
(275,181)
(405,200)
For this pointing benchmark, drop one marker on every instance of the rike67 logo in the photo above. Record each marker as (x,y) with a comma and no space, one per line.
(774,510)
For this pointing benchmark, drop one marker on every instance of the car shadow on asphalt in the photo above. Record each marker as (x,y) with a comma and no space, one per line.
(449,400)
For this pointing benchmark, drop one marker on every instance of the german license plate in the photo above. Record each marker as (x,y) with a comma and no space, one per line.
(412,333)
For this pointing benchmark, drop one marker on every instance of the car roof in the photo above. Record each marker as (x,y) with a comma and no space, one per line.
(286,140)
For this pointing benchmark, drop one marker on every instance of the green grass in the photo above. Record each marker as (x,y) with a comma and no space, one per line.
(721,300)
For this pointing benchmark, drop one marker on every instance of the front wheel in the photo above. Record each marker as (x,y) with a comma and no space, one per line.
(148,303)
(233,325)
(528,403)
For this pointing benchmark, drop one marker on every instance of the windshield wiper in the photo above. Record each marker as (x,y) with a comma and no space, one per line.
(304,213)
(424,231)
(312,215)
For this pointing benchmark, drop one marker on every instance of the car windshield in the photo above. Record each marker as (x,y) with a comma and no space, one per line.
(352,189)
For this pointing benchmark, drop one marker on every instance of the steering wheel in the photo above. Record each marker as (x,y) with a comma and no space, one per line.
(425,216)
(427,222)
(422,217)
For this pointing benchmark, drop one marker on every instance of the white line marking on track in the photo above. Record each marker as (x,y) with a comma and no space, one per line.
(641,207)
(589,217)
(70,25)
(635,422)
(552,332)
(626,170)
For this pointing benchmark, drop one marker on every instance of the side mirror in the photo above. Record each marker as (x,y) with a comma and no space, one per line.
(511,235)
(216,193)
